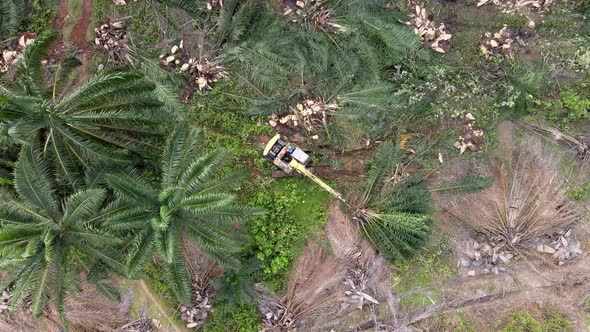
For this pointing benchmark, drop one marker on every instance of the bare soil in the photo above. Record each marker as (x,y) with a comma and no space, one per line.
(526,284)
(80,39)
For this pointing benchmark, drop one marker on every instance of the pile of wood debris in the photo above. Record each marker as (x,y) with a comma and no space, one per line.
(310,114)
(4,301)
(472,138)
(196,315)
(357,279)
(202,72)
(214,5)
(562,247)
(312,14)
(436,38)
(275,316)
(516,5)
(11,54)
(505,41)
(112,37)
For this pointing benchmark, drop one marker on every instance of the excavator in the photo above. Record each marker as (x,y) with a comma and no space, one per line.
(289,157)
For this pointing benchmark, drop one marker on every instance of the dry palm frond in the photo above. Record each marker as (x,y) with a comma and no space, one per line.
(526,202)
(202,271)
(315,273)
(579,147)
(91,311)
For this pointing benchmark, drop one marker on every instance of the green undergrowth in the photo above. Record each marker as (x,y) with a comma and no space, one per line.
(161,290)
(419,282)
(294,210)
(227,127)
(243,318)
(550,321)
(456,321)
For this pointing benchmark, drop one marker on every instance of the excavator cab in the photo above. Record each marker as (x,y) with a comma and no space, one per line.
(282,153)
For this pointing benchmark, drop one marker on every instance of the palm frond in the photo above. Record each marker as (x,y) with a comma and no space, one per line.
(62,75)
(385,160)
(180,149)
(32,182)
(132,190)
(12,14)
(29,69)
(82,205)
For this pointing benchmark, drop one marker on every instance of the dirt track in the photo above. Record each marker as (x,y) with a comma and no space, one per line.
(78,36)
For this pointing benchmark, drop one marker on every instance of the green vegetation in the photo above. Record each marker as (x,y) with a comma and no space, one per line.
(244,318)
(419,282)
(551,321)
(293,213)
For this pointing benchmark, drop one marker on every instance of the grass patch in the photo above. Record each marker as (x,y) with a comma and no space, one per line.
(419,282)
(295,209)
(549,321)
(244,318)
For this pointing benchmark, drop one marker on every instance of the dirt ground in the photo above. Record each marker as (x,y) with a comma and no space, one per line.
(83,47)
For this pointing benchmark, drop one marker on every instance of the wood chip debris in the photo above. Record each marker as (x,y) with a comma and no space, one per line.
(505,41)
(508,6)
(471,138)
(214,5)
(357,279)
(12,53)
(421,20)
(196,315)
(311,114)
(202,72)
(562,246)
(112,38)
(312,13)
(5,301)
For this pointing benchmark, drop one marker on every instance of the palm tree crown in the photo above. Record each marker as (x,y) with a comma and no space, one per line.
(188,202)
(47,242)
(75,126)
(397,214)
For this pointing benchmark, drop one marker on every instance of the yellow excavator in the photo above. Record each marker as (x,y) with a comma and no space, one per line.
(288,157)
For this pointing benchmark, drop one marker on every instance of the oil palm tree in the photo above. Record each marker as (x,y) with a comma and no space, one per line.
(278,68)
(46,242)
(99,120)
(394,214)
(190,201)
(12,14)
